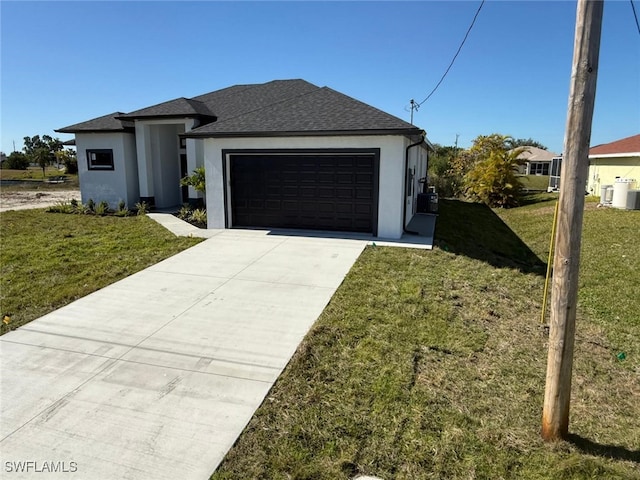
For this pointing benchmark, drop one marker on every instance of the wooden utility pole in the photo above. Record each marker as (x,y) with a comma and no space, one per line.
(575,166)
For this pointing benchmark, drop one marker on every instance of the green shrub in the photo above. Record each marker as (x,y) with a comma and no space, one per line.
(102,208)
(61,207)
(122,211)
(196,180)
(185,212)
(16,161)
(495,181)
(199,216)
(71,165)
(90,207)
(142,208)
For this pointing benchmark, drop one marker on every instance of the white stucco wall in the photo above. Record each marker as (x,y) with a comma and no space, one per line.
(166,165)
(158,151)
(131,170)
(392,177)
(115,185)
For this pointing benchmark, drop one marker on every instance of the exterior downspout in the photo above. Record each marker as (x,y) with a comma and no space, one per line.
(406,172)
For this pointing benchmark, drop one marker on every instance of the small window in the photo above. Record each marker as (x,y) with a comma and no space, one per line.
(183,142)
(100,159)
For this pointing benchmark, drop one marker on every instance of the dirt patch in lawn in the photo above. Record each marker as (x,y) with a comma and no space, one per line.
(21,200)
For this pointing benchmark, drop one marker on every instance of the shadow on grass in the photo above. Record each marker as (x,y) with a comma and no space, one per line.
(474,230)
(608,451)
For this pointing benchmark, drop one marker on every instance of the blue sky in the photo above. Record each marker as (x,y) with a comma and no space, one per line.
(66,62)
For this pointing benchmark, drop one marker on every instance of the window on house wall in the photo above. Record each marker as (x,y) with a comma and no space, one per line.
(539,168)
(100,159)
(183,142)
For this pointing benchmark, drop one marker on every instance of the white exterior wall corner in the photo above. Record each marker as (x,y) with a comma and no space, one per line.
(195,159)
(115,185)
(391,174)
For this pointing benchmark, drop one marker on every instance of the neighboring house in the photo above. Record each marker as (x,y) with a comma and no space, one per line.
(282,154)
(537,161)
(610,161)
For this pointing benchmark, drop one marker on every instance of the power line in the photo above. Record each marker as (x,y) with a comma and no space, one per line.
(635,15)
(456,55)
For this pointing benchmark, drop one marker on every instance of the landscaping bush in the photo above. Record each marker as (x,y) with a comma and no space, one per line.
(102,208)
(62,207)
(142,208)
(199,217)
(16,161)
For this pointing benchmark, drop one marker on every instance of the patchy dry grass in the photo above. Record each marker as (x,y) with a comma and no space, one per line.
(48,260)
(431,365)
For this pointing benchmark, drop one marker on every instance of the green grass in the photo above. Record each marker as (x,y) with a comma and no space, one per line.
(429,365)
(48,260)
(33,179)
(535,182)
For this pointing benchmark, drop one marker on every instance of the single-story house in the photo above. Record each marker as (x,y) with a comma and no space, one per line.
(610,161)
(282,154)
(537,161)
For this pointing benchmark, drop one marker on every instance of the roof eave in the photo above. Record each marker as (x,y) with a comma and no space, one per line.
(198,116)
(97,130)
(303,133)
(614,155)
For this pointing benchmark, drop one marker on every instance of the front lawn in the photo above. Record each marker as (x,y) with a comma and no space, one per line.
(48,260)
(431,365)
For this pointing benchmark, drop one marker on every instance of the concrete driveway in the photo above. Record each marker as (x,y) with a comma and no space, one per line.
(157,375)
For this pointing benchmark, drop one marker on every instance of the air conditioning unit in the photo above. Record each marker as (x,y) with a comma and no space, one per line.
(422,205)
(427,203)
(633,200)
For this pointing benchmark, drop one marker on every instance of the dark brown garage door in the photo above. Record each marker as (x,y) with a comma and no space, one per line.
(313,191)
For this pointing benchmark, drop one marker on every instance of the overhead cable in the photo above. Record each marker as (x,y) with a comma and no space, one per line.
(456,55)
(635,15)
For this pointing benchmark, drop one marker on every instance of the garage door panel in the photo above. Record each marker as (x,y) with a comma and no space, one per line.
(345,208)
(362,209)
(325,192)
(342,192)
(364,178)
(308,191)
(290,206)
(315,191)
(288,191)
(363,193)
(345,178)
(326,178)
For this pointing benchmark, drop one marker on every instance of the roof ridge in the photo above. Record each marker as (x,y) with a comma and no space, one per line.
(366,105)
(227,94)
(270,105)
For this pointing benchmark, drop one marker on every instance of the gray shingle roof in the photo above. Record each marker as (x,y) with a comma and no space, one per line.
(319,111)
(272,108)
(232,102)
(106,123)
(179,107)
